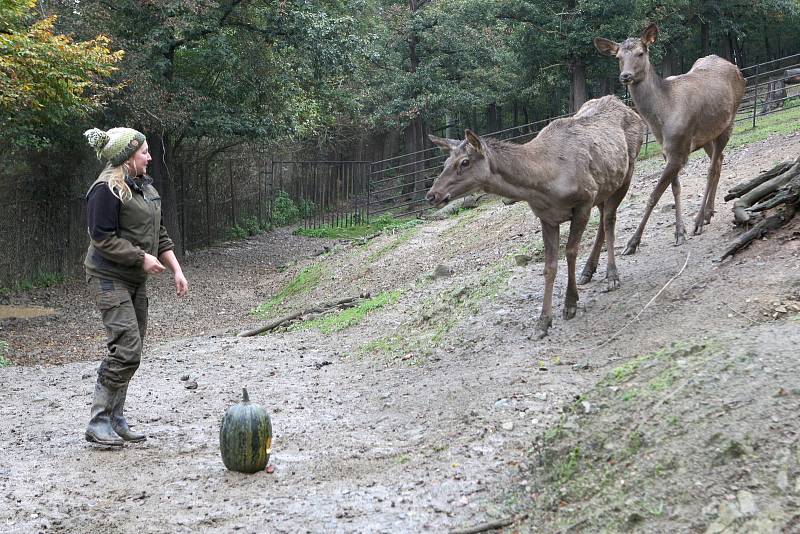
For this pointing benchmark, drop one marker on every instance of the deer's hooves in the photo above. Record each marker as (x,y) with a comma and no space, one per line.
(680,239)
(542,326)
(569,311)
(630,248)
(585,278)
(612,283)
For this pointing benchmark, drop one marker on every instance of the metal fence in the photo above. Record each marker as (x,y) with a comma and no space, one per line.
(398,184)
(227,196)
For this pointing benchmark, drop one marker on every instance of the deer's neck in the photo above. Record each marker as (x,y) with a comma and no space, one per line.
(515,171)
(652,100)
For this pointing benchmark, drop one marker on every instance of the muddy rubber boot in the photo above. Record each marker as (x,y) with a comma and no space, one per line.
(99,429)
(118,422)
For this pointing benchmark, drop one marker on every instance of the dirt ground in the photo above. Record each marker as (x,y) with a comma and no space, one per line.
(667,405)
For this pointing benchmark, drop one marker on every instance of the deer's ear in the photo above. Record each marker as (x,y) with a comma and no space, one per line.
(474,140)
(606,47)
(445,144)
(650,34)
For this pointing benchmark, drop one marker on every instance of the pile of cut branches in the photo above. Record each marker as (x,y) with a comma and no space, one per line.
(779,188)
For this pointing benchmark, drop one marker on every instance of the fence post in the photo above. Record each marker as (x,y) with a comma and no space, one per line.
(755,98)
(369,191)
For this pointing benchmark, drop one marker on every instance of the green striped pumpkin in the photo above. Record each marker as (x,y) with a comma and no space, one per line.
(245,436)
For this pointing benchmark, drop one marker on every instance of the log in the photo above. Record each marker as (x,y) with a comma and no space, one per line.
(740,189)
(468,202)
(761,189)
(772,222)
(348,302)
(489,525)
(780,186)
(788,194)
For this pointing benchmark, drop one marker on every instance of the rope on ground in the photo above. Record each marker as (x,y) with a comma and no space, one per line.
(618,332)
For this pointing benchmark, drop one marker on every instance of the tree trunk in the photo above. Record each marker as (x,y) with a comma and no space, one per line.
(705,45)
(577,89)
(161,152)
(492,120)
(606,86)
(670,64)
(412,182)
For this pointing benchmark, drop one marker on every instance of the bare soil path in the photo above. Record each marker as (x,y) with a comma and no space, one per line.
(425,415)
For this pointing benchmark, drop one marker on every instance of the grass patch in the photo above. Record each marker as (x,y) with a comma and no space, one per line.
(306,280)
(782,122)
(437,315)
(345,318)
(359,231)
(40,280)
(404,237)
(4,350)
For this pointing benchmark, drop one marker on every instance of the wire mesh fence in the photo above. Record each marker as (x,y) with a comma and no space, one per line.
(230,196)
(397,185)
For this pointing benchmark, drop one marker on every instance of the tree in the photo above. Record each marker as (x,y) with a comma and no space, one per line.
(218,73)
(46,79)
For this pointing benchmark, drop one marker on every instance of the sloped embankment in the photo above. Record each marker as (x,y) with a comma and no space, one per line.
(699,436)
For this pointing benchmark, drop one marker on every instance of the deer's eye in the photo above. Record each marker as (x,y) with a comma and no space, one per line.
(465,163)
(639,54)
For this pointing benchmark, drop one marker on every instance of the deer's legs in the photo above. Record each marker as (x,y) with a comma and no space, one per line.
(714,150)
(680,228)
(594,256)
(580,216)
(608,221)
(668,175)
(550,238)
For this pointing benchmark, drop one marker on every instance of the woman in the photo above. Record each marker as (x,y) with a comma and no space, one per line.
(127,243)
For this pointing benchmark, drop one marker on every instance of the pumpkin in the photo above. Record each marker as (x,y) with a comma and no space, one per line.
(245,436)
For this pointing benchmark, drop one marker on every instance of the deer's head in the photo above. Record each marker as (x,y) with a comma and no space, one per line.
(633,54)
(466,167)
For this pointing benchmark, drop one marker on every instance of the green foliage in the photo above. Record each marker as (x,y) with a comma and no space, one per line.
(306,280)
(285,211)
(250,226)
(4,350)
(47,79)
(383,223)
(42,279)
(350,316)
(223,70)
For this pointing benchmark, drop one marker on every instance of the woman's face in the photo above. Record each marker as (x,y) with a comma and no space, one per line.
(138,162)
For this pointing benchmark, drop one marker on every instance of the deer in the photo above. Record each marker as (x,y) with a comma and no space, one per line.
(572,165)
(685,113)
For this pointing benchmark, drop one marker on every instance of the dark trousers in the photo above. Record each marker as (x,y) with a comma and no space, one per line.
(124,311)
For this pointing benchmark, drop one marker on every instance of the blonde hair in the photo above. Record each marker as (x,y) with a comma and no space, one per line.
(114,176)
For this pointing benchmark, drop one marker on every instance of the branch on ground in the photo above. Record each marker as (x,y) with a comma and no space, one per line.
(778,187)
(348,302)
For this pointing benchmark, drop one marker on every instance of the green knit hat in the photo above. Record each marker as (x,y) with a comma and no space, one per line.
(115,145)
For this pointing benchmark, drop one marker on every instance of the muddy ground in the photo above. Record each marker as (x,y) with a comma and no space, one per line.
(437,411)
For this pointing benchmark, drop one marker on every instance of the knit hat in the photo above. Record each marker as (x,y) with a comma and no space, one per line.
(116,145)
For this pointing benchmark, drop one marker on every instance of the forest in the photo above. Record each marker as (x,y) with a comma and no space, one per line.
(342,80)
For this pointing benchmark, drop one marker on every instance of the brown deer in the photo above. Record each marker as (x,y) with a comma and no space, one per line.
(686,112)
(572,165)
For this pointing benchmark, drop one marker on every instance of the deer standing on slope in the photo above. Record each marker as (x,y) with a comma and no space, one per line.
(572,165)
(686,112)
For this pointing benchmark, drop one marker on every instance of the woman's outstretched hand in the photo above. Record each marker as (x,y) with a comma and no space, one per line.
(151,264)
(181,285)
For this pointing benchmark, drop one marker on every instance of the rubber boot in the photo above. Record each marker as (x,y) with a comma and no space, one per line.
(99,429)
(118,422)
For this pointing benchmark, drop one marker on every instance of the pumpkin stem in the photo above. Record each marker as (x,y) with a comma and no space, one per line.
(245,396)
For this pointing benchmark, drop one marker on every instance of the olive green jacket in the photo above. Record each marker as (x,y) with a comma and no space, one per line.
(125,232)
